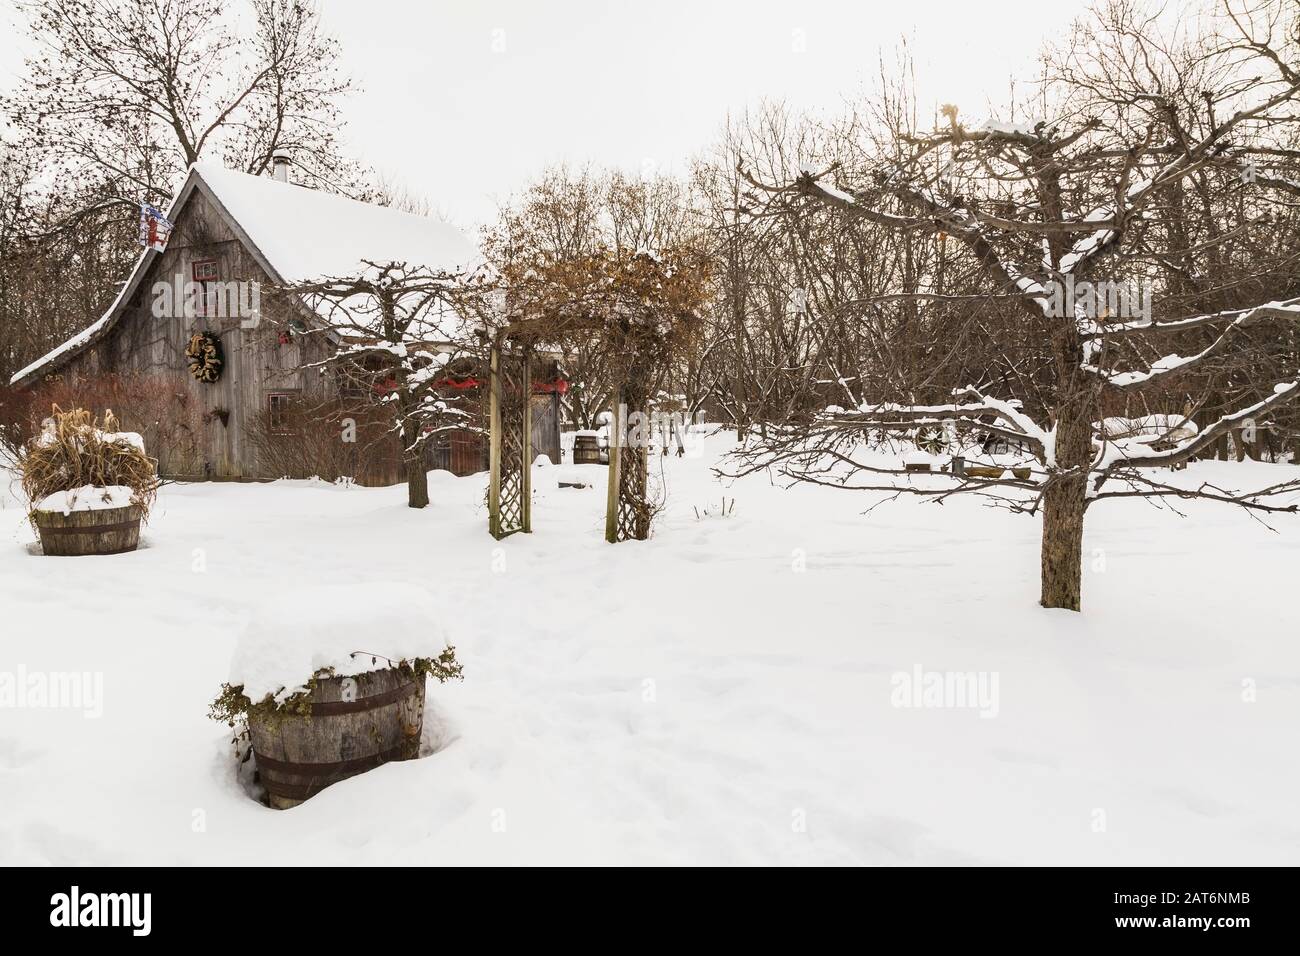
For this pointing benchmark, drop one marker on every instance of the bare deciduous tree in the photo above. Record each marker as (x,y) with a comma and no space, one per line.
(121,97)
(398,336)
(1045,213)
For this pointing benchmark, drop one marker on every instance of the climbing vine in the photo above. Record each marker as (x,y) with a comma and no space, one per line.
(232,706)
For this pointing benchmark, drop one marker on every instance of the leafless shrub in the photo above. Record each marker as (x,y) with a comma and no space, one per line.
(330,440)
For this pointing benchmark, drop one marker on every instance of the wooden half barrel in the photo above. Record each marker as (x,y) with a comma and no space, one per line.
(586,450)
(107,531)
(356,724)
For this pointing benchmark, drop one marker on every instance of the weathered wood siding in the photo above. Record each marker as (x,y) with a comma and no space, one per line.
(219,419)
(256,361)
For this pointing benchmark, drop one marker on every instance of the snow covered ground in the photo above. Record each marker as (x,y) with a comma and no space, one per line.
(723,693)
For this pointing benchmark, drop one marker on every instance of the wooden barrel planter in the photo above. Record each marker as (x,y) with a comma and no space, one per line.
(355,724)
(586,450)
(106,531)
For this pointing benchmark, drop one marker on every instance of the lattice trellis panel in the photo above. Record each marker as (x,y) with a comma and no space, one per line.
(509,488)
(627,515)
(633,509)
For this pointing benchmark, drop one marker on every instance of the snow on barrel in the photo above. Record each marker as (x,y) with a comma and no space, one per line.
(331,681)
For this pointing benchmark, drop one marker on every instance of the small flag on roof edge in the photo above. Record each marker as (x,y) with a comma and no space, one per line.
(155,228)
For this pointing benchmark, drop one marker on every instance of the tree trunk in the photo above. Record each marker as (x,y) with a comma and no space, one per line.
(417,484)
(417,479)
(1239,446)
(1062,548)
(1253,450)
(1065,497)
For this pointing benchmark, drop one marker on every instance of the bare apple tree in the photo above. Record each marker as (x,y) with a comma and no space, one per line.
(398,339)
(1069,225)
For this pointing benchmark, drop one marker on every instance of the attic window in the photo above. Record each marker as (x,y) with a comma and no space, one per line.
(205,270)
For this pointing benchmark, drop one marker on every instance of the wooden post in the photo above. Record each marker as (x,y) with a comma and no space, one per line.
(494,443)
(615,446)
(526,505)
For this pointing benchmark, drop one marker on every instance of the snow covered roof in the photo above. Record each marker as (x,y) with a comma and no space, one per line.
(68,348)
(297,234)
(308,234)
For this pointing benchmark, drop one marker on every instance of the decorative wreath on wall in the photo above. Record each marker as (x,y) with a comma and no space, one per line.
(204,356)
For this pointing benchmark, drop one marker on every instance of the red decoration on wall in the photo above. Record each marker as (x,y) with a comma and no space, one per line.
(559,386)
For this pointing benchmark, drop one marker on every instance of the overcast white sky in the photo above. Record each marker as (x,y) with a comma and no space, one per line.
(464,100)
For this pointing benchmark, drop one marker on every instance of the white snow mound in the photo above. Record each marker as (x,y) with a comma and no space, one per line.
(299,633)
(87,498)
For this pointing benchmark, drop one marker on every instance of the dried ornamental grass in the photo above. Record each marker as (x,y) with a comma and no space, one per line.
(75,449)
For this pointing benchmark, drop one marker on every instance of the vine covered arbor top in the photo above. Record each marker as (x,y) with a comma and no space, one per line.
(642,310)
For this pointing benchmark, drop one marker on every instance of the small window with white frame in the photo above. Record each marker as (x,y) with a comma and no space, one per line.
(279,412)
(204,273)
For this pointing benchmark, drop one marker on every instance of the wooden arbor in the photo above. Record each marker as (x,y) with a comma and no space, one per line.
(510,450)
(627,510)
(641,308)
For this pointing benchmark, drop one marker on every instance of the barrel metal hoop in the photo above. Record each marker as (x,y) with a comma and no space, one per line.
(334,708)
(90,529)
(321,774)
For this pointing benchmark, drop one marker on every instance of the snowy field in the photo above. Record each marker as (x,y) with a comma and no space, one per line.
(720,694)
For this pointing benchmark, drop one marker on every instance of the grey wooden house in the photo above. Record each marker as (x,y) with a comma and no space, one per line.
(232,231)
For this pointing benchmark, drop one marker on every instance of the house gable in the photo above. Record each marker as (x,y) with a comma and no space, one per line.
(229,226)
(146,338)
